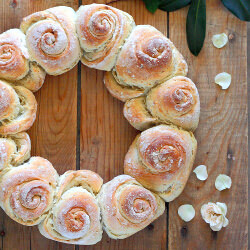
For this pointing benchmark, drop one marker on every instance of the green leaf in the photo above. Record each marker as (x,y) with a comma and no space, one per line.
(172,5)
(240,8)
(152,5)
(196,26)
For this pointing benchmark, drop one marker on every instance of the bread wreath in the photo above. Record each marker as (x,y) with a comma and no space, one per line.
(146,71)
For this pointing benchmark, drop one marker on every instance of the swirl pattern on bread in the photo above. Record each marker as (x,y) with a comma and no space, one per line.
(175,101)
(28,190)
(146,59)
(161,159)
(14,150)
(14,61)
(75,217)
(127,207)
(17,108)
(102,31)
(51,39)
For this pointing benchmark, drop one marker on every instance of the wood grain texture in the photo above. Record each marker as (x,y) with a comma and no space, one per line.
(53,135)
(106,135)
(221,135)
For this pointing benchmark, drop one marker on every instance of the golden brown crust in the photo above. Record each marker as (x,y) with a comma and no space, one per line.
(34,79)
(118,91)
(102,30)
(75,216)
(51,39)
(9,101)
(137,115)
(127,207)
(161,159)
(17,109)
(14,150)
(28,190)
(14,61)
(148,58)
(175,101)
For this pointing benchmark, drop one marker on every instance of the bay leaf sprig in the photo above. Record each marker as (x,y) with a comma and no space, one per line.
(196,17)
(196,26)
(240,8)
(172,5)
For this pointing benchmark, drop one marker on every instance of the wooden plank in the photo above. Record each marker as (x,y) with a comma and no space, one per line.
(53,135)
(106,135)
(221,135)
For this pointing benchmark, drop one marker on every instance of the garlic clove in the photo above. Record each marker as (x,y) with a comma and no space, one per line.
(223,182)
(186,212)
(201,172)
(219,40)
(223,79)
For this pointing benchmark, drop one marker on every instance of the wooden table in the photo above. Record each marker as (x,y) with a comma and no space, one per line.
(80,126)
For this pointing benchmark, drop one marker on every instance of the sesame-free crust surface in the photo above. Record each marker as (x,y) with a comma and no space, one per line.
(80,125)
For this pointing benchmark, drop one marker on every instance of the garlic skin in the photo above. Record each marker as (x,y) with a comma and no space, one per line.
(201,172)
(215,215)
(186,212)
(223,182)
(219,40)
(223,79)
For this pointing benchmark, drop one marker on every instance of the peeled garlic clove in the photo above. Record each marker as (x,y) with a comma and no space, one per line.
(223,79)
(223,182)
(219,40)
(186,212)
(201,172)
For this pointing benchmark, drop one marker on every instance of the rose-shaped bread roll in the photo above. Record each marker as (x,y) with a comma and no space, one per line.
(26,192)
(75,217)
(161,159)
(102,31)
(146,59)
(127,207)
(175,101)
(17,108)
(14,61)
(51,39)
(14,150)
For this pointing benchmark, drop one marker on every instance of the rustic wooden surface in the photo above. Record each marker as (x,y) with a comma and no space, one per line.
(79,125)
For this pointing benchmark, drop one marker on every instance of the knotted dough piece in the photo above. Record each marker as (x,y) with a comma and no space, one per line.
(75,217)
(26,192)
(14,61)
(161,159)
(14,150)
(175,101)
(17,108)
(52,40)
(127,207)
(102,31)
(146,59)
